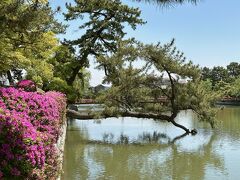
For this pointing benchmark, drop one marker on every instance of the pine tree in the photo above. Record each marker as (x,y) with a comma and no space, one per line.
(104,27)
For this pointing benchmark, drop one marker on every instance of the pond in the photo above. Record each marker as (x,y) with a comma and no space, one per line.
(130,148)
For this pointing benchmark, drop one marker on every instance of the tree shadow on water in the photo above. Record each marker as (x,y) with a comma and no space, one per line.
(145,138)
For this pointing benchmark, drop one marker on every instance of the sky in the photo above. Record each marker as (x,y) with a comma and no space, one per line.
(208,33)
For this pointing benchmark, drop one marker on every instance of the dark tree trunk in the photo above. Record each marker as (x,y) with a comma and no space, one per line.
(10,79)
(180,126)
(86,116)
(73,76)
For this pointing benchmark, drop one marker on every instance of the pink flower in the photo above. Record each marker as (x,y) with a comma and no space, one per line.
(15,172)
(29,127)
(27,85)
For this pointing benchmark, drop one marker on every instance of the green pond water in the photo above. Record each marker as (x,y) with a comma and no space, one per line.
(129,149)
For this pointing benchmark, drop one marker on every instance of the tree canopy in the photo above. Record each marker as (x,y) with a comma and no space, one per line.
(29,47)
(225,80)
(160,89)
(104,27)
(28,38)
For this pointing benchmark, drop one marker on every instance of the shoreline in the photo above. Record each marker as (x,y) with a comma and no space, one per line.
(60,145)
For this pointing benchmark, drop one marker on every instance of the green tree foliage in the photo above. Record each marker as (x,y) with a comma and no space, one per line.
(224,80)
(234,69)
(27,32)
(219,74)
(29,48)
(63,62)
(235,89)
(104,25)
(206,73)
(168,2)
(165,83)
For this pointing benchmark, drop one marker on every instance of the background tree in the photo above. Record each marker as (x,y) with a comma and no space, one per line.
(219,74)
(234,69)
(30,49)
(206,73)
(224,80)
(235,89)
(215,75)
(63,62)
(27,32)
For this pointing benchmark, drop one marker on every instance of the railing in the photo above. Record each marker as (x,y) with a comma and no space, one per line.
(87,101)
(162,99)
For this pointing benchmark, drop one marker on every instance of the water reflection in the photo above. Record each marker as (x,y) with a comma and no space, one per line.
(160,151)
(144,139)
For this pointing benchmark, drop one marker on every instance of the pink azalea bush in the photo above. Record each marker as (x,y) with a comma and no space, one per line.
(27,85)
(30,125)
